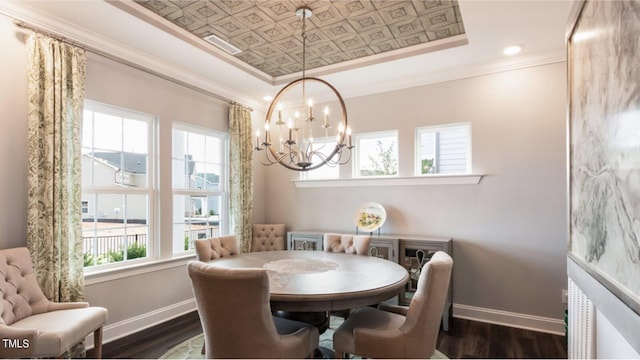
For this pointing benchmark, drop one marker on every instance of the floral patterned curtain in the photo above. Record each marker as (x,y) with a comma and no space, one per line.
(54,229)
(240,174)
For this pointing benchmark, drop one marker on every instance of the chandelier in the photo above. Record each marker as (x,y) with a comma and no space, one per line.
(293,136)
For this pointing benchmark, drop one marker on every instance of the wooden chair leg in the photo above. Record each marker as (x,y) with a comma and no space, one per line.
(338,354)
(97,343)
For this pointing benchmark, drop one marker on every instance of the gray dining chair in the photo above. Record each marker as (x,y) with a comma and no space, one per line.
(397,331)
(234,309)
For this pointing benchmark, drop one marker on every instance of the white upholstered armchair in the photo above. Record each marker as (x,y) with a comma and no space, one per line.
(30,324)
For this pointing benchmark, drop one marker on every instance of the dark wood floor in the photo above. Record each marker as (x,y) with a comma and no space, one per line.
(465,339)
(472,339)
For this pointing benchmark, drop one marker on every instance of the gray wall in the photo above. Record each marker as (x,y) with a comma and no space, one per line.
(509,231)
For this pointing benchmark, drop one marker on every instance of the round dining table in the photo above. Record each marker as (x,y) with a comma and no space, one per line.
(322,281)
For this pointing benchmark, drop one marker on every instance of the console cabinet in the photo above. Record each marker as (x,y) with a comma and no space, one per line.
(414,253)
(411,252)
(385,248)
(304,240)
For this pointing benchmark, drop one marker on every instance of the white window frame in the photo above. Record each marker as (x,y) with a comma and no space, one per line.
(439,128)
(222,191)
(149,190)
(358,149)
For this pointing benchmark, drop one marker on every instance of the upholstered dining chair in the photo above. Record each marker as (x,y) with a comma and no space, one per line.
(268,237)
(30,324)
(216,247)
(234,309)
(350,244)
(397,331)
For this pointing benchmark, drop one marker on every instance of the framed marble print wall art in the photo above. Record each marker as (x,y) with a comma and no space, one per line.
(603,53)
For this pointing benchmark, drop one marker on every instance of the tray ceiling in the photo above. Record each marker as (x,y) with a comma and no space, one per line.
(268,34)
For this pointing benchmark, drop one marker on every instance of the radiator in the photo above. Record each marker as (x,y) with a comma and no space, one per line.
(581,325)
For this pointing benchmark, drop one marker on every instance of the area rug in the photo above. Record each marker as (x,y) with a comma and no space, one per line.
(192,348)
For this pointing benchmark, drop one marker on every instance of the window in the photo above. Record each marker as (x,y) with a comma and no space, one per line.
(443,149)
(117,184)
(326,147)
(376,154)
(120,198)
(198,171)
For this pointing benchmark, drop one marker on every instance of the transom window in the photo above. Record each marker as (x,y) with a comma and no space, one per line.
(444,149)
(376,154)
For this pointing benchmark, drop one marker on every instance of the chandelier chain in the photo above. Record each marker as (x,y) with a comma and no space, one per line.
(304,43)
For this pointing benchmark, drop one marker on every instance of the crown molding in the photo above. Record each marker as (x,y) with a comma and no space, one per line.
(432,46)
(167,26)
(456,73)
(22,12)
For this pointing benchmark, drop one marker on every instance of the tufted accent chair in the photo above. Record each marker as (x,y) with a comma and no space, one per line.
(215,248)
(268,237)
(350,244)
(35,326)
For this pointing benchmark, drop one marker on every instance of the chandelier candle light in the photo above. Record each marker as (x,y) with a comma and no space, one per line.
(304,142)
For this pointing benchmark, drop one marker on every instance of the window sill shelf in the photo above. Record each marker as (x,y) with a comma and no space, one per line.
(126,270)
(466,179)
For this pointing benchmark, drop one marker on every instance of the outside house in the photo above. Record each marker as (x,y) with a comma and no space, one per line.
(107,171)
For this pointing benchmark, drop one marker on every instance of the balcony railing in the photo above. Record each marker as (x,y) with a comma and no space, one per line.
(101,247)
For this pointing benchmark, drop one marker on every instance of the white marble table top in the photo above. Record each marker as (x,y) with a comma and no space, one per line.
(322,281)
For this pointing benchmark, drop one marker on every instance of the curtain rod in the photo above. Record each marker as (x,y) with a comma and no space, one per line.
(34,28)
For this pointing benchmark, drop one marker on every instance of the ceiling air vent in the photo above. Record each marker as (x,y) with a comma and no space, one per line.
(212,39)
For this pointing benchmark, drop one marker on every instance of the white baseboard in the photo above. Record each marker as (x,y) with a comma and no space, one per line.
(521,321)
(126,327)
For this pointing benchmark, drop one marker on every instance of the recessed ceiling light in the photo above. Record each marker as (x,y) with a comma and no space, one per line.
(512,50)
